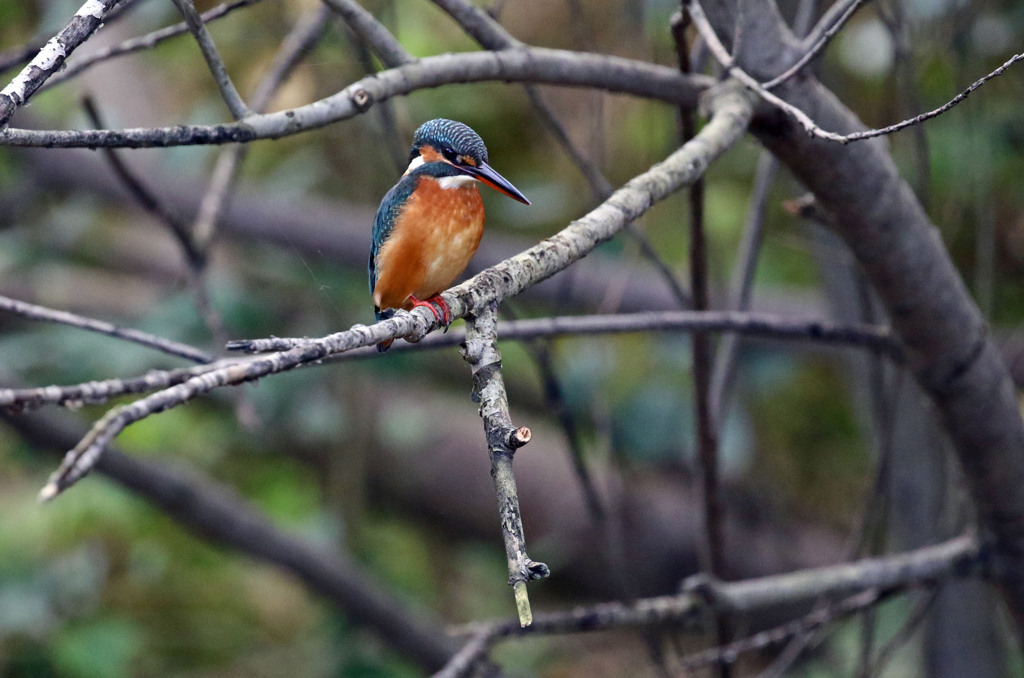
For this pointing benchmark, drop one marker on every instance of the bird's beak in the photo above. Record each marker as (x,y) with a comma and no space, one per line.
(487,175)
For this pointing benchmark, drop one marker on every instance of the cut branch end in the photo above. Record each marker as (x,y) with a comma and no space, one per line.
(520,437)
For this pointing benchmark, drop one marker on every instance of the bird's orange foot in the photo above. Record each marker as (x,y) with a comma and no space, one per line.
(438,306)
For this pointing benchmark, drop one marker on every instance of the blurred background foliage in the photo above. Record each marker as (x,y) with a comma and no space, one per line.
(101,584)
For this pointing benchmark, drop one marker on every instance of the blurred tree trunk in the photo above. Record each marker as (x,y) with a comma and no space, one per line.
(899,250)
(922,486)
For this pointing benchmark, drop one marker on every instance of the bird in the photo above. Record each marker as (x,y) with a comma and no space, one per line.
(430,223)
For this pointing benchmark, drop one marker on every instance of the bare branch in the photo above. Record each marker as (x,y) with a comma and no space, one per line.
(220,72)
(148,41)
(503,439)
(930,114)
(809,623)
(477,23)
(36,312)
(959,557)
(712,546)
(466,659)
(51,57)
(556,67)
(742,284)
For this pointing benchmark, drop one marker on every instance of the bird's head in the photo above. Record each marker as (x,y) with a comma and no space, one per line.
(457,145)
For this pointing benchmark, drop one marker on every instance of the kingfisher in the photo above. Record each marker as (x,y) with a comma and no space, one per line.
(429,225)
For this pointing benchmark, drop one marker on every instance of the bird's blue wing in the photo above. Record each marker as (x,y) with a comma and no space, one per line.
(387,215)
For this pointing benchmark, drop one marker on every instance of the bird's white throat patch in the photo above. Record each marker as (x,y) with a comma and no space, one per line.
(456,182)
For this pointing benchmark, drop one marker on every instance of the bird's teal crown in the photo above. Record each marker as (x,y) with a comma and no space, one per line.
(449,135)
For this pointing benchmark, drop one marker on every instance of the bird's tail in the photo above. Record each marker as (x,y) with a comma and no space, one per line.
(384,315)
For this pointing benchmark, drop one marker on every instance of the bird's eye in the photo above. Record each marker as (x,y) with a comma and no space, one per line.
(414,153)
(449,154)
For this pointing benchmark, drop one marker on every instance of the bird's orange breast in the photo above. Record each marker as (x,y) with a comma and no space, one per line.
(435,235)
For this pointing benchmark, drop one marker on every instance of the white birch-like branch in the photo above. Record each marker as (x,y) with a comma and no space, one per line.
(51,57)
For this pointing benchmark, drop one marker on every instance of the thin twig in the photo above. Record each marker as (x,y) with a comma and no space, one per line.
(741,287)
(466,659)
(807,624)
(148,41)
(141,193)
(700,20)
(219,71)
(52,55)
(913,622)
(370,34)
(307,32)
(503,439)
(821,39)
(36,312)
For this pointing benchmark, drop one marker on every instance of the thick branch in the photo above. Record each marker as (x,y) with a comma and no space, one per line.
(548,66)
